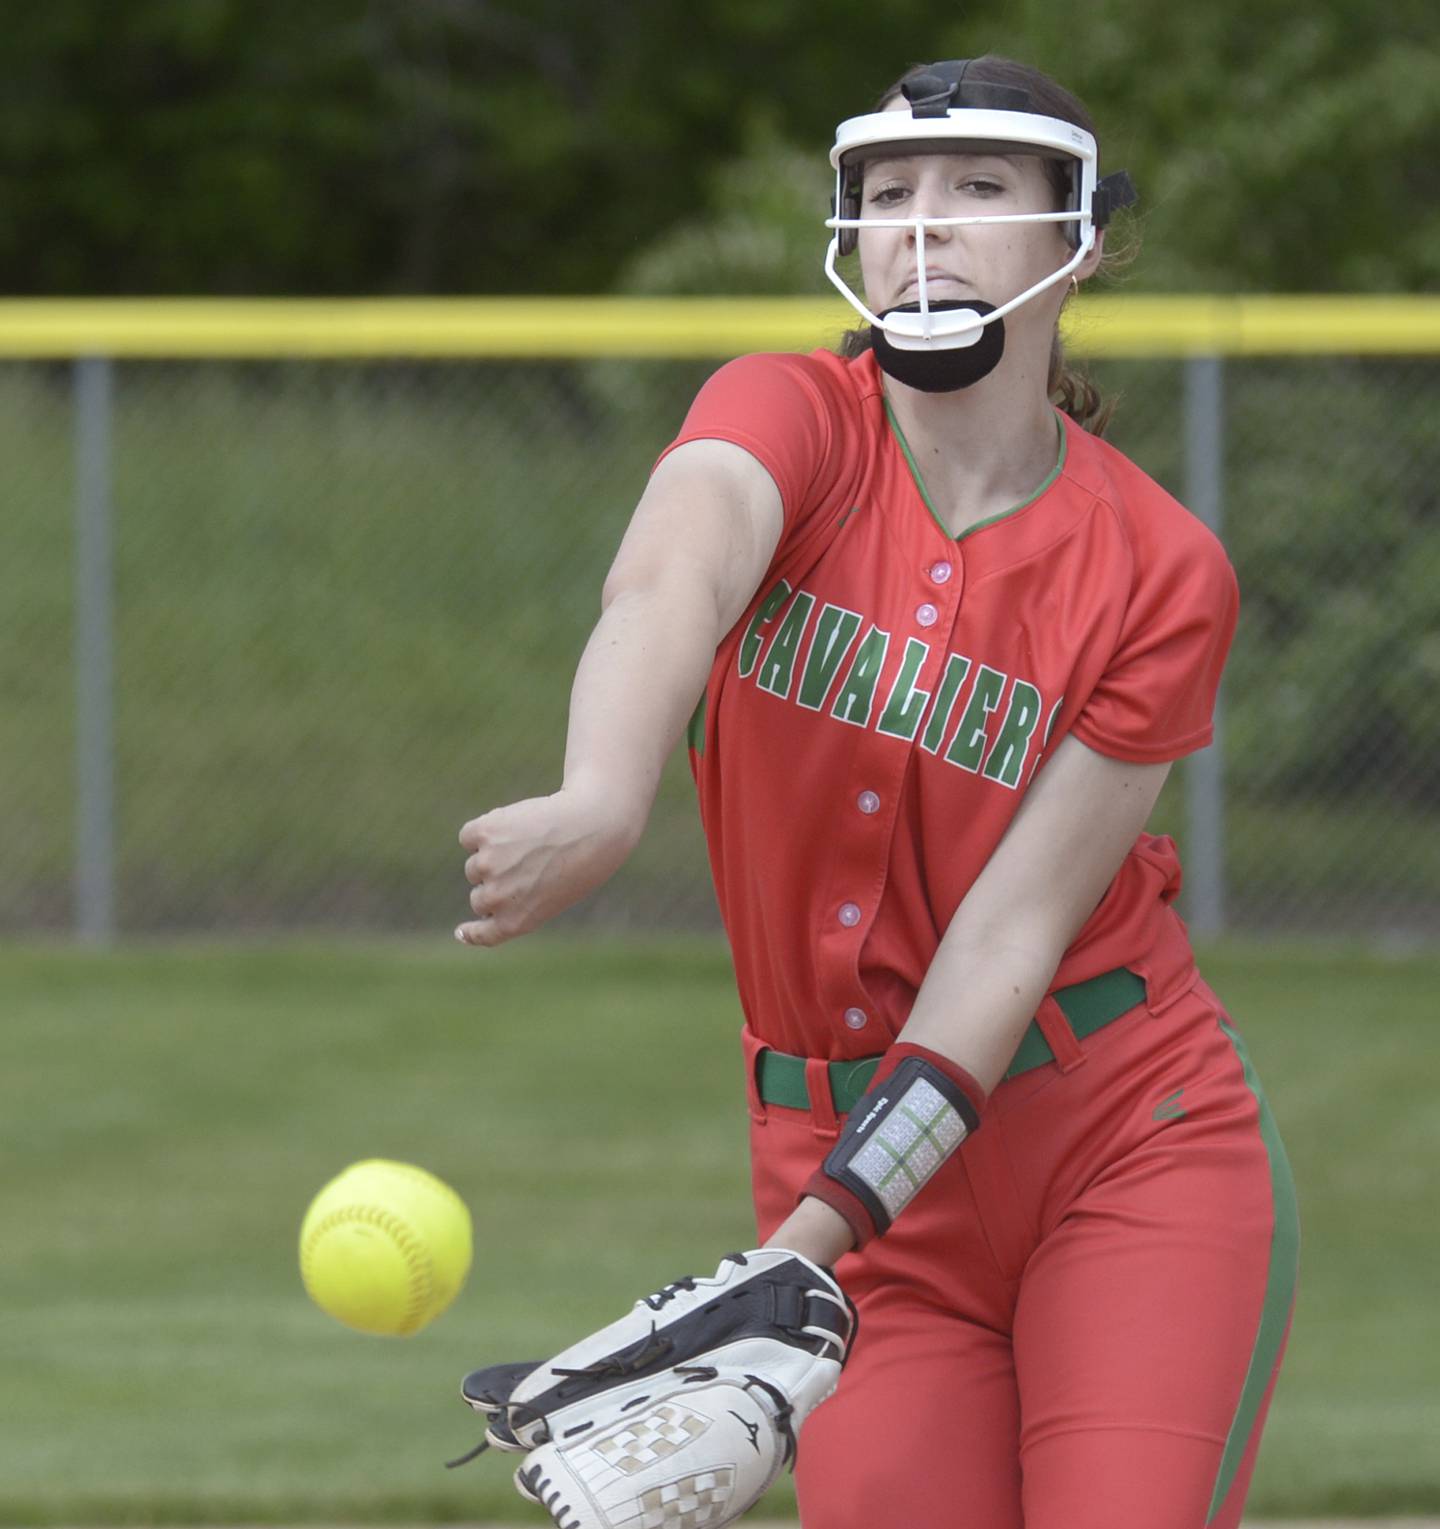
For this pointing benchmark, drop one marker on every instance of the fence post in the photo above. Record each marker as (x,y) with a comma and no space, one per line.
(1205,771)
(94,656)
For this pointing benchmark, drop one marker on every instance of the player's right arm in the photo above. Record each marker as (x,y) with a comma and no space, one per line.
(691,560)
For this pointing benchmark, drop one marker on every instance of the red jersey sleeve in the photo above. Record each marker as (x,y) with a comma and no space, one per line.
(779,409)
(1155,700)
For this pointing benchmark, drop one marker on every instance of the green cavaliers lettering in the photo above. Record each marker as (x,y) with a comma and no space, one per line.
(845,651)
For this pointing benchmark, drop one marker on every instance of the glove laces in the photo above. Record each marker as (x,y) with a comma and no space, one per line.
(670,1291)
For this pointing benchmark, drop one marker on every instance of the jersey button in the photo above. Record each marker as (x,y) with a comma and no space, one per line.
(940,573)
(927,615)
(857,1019)
(868,802)
(849,914)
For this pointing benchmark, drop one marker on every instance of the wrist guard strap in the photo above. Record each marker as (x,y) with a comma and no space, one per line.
(917,1111)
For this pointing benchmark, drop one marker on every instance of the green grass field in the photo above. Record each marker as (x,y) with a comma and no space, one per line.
(168,1112)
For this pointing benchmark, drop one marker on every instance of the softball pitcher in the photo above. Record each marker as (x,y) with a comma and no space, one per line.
(946,645)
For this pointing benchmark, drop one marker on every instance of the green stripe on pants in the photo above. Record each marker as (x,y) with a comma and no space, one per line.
(1279,1284)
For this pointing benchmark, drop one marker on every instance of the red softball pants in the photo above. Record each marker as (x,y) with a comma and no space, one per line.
(1078,1323)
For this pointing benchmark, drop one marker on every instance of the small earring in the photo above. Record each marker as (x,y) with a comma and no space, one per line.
(1074,285)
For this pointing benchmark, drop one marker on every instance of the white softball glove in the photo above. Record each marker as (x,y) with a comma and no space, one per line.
(681,1414)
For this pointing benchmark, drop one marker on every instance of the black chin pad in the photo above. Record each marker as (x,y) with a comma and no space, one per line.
(941,370)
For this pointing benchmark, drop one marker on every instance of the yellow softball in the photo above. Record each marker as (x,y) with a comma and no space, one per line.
(385,1247)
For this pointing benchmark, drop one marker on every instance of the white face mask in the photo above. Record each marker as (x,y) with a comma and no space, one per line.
(942,346)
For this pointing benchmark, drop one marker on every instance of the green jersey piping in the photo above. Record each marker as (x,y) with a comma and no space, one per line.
(989,520)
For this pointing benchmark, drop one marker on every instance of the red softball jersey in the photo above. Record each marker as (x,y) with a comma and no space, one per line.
(873,720)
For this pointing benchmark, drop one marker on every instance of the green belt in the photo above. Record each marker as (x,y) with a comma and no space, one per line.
(1087,1006)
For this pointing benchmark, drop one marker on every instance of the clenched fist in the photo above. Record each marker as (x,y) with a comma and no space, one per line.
(533,859)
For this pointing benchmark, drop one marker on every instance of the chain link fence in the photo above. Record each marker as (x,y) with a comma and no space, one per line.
(348,599)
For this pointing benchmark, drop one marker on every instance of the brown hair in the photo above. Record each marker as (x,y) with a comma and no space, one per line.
(1073,391)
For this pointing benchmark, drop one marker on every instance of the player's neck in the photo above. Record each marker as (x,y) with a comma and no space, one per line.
(981,450)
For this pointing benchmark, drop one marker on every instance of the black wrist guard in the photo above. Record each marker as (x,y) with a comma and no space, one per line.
(896,1139)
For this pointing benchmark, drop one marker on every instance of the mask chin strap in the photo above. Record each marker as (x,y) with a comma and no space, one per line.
(935,368)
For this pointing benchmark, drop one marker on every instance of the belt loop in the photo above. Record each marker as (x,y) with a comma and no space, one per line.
(755,1050)
(823,1120)
(1058,1034)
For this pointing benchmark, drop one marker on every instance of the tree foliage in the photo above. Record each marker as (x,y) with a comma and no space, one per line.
(421,146)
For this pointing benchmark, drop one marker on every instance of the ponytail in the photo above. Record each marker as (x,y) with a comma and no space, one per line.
(1076,395)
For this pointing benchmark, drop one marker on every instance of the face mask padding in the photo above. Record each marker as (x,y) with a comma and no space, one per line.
(947,370)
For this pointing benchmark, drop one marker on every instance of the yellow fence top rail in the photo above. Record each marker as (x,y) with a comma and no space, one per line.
(588,327)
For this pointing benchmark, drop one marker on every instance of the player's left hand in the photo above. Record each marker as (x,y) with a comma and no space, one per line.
(695,1398)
